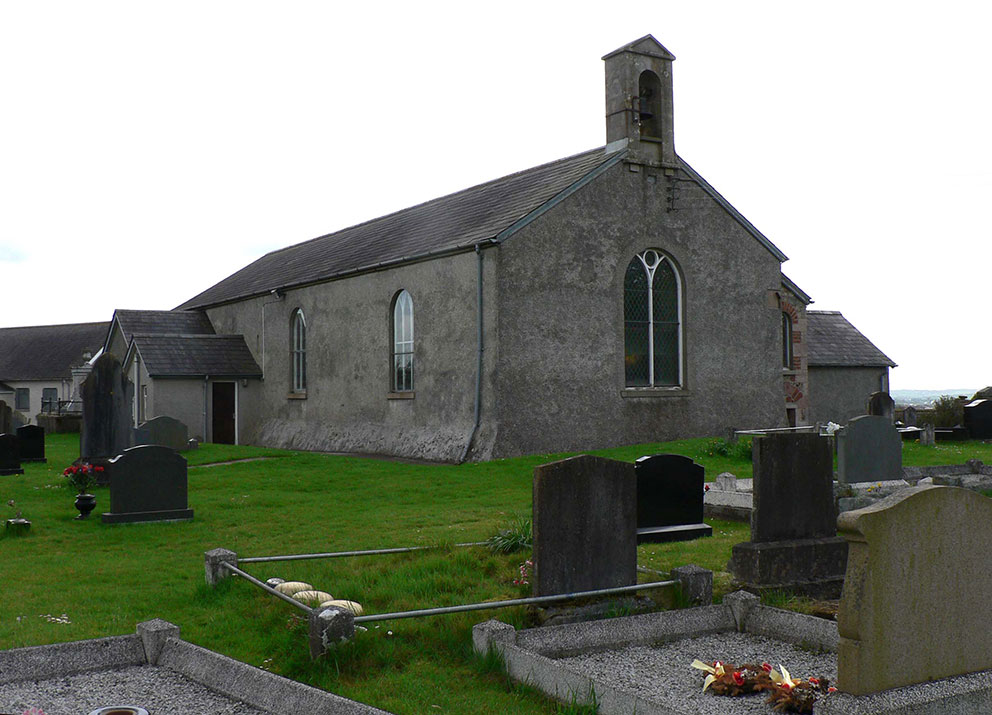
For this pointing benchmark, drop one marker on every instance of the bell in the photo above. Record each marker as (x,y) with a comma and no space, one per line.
(644,108)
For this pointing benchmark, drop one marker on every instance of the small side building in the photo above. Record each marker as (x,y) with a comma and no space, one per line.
(845,368)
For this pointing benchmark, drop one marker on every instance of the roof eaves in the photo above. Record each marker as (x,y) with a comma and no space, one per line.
(729,208)
(561,196)
(796,290)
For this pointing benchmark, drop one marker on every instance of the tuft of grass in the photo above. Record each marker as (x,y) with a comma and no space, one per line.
(515,536)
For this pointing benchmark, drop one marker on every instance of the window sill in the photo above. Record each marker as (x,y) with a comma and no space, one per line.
(297,395)
(629,392)
(788,371)
(400,395)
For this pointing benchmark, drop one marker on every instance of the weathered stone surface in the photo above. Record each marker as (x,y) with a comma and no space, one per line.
(869,449)
(164,431)
(585,525)
(880,404)
(814,567)
(928,436)
(916,591)
(107,397)
(793,488)
(212,560)
(725,481)
(909,416)
(10,455)
(32,438)
(669,499)
(148,483)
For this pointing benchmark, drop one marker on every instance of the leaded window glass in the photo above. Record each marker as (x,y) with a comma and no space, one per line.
(403,343)
(786,340)
(652,322)
(299,352)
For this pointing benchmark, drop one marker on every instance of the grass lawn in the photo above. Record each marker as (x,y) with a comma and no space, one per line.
(71,579)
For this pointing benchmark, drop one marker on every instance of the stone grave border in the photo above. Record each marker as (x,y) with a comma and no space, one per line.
(531,657)
(330,625)
(157,644)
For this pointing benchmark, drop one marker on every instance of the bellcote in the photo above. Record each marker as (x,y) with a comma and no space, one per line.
(639,102)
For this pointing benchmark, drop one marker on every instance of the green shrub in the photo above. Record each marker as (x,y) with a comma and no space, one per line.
(948,412)
(515,536)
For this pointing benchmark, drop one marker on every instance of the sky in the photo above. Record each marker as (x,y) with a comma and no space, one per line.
(149,150)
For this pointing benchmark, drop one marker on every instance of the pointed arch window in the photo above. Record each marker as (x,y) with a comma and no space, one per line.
(787,351)
(652,310)
(402,357)
(299,343)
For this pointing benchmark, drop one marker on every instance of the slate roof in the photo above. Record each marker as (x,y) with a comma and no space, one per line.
(47,352)
(833,342)
(148,322)
(448,224)
(191,356)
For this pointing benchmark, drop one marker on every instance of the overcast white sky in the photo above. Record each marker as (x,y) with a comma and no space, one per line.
(151,149)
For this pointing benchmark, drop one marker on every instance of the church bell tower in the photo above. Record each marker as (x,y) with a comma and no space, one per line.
(639,102)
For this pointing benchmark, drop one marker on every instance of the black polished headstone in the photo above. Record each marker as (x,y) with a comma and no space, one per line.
(32,439)
(10,455)
(585,524)
(669,499)
(164,431)
(978,419)
(6,418)
(148,483)
(107,398)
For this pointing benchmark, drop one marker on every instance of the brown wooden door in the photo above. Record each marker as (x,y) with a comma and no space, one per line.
(223,413)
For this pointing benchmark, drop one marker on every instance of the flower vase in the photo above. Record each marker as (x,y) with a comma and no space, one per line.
(85,503)
(18,526)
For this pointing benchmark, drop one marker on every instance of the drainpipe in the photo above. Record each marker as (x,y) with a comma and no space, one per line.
(279,296)
(206,379)
(480,351)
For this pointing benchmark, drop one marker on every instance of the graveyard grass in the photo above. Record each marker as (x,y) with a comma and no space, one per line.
(69,580)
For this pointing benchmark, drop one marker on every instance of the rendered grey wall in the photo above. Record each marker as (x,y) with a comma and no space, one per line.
(561,342)
(838,394)
(181,400)
(348,405)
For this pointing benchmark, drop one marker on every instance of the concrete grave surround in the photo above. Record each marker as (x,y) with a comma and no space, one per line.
(10,455)
(869,449)
(585,525)
(794,544)
(164,431)
(107,397)
(72,678)
(669,499)
(32,439)
(148,483)
(916,592)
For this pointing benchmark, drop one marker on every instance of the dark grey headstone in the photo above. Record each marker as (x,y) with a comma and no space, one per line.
(148,483)
(869,449)
(880,404)
(6,418)
(164,431)
(978,419)
(10,454)
(669,499)
(107,398)
(909,416)
(32,439)
(793,487)
(585,525)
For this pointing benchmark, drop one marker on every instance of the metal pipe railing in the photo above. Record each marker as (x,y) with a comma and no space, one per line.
(248,577)
(339,554)
(486,605)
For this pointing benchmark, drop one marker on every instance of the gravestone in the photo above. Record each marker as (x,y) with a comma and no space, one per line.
(669,499)
(909,416)
(10,455)
(107,396)
(585,525)
(869,449)
(794,544)
(916,593)
(978,419)
(32,439)
(164,431)
(147,483)
(928,437)
(6,418)
(880,404)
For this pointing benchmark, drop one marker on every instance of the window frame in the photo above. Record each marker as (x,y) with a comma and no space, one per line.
(298,353)
(25,393)
(650,265)
(52,403)
(788,351)
(402,343)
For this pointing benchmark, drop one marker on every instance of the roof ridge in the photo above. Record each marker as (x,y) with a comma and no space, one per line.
(57,325)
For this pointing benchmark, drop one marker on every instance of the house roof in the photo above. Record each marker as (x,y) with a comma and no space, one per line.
(149,322)
(191,356)
(47,352)
(448,224)
(833,342)
(4,387)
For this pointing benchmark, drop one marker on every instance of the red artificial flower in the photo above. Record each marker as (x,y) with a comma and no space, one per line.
(98,468)
(706,488)
(766,667)
(813,681)
(738,678)
(831,689)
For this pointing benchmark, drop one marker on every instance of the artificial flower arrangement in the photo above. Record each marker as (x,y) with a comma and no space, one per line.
(785,693)
(82,476)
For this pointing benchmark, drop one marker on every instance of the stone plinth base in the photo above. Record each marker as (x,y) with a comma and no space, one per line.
(679,532)
(814,567)
(136,516)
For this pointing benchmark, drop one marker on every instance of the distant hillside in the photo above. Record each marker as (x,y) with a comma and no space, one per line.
(925,398)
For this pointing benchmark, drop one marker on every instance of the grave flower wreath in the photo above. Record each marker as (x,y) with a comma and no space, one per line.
(785,693)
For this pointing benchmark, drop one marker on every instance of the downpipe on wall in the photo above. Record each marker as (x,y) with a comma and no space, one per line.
(480,351)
